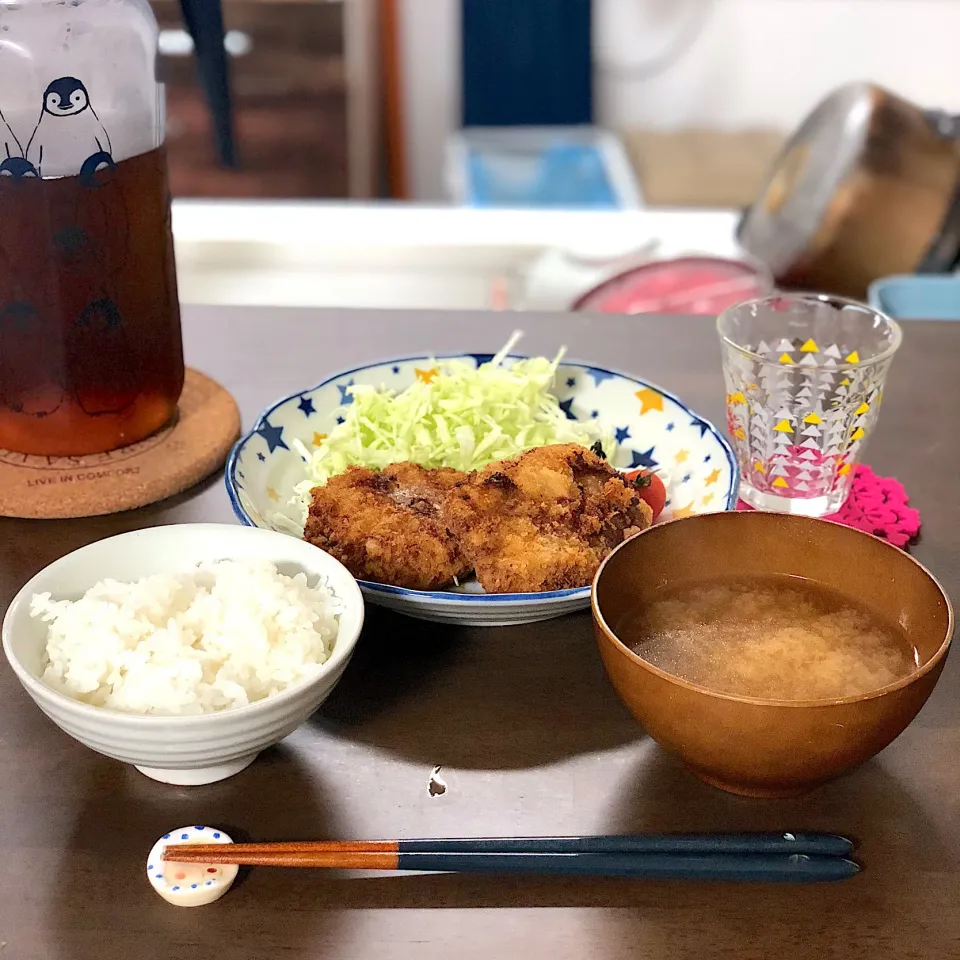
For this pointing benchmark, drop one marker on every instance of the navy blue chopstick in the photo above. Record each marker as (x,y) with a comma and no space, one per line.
(758,857)
(824,844)
(757,868)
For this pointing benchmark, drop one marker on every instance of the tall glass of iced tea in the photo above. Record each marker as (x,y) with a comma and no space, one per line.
(90,348)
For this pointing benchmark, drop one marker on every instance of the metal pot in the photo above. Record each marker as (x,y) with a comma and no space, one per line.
(868,186)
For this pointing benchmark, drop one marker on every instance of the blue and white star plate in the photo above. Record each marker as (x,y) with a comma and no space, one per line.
(653,429)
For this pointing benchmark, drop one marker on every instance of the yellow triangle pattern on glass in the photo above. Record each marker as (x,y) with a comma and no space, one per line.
(844,470)
(784,426)
(853,357)
(845,382)
(863,408)
(810,347)
(786,358)
(858,434)
(779,482)
(812,418)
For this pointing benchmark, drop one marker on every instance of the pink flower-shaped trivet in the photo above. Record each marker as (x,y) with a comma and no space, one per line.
(877,505)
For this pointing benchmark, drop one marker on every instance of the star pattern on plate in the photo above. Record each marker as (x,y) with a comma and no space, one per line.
(566,407)
(571,382)
(704,427)
(273,436)
(339,421)
(426,376)
(318,438)
(345,396)
(622,433)
(305,406)
(686,511)
(644,459)
(649,400)
(261,457)
(394,370)
(600,375)
(712,477)
(273,495)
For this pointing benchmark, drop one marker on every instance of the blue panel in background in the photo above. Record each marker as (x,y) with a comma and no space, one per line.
(527,62)
(911,297)
(564,175)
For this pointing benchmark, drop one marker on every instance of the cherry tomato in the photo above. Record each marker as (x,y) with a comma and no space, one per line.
(650,488)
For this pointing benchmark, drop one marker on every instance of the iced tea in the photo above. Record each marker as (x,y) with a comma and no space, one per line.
(91,356)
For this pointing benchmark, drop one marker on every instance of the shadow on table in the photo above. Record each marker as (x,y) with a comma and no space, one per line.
(104,907)
(870,805)
(29,545)
(892,903)
(476,698)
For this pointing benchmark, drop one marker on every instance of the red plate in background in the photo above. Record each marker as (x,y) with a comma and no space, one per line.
(687,285)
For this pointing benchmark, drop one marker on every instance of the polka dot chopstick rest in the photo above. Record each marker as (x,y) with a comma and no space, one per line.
(189,884)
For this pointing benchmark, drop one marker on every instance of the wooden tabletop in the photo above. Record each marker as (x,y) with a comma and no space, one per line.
(531,737)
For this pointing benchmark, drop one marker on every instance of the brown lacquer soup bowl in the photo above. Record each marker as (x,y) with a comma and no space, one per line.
(766,747)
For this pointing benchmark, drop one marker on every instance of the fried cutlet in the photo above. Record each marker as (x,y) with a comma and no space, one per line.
(543,521)
(387,526)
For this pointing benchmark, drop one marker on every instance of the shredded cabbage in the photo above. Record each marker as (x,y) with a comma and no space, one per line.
(463,417)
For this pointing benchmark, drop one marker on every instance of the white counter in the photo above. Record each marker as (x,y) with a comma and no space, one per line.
(383,255)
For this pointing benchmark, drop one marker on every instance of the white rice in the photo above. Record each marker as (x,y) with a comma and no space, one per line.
(226,634)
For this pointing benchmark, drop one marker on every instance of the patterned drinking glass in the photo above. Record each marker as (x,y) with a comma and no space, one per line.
(804,376)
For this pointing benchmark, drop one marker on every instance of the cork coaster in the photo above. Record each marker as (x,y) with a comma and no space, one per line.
(183,453)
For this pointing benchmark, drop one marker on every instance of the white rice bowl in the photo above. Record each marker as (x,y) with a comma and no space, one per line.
(226,634)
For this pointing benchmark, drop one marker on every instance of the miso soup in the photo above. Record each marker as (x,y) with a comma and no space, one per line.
(772,637)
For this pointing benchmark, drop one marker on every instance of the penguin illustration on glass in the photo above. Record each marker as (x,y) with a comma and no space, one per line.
(12,161)
(28,383)
(9,144)
(102,214)
(20,227)
(69,132)
(103,364)
(91,227)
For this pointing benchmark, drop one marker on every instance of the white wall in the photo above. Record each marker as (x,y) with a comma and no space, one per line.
(430,54)
(769,61)
(756,62)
